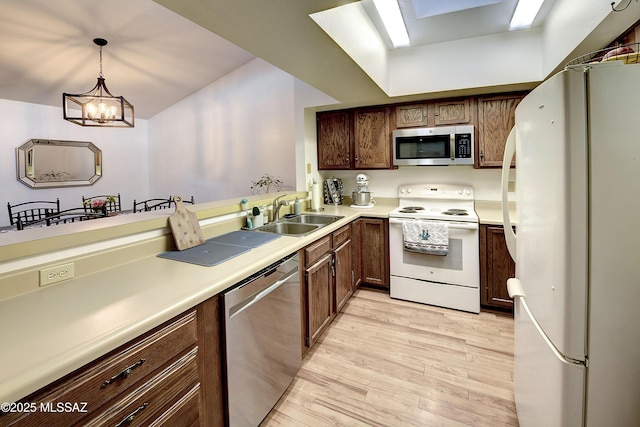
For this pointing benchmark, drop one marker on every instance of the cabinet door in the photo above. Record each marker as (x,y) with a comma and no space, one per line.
(343,274)
(453,112)
(375,252)
(356,251)
(319,283)
(372,145)
(496,266)
(414,115)
(334,140)
(496,117)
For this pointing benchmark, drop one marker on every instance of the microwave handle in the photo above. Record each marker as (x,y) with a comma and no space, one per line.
(452,145)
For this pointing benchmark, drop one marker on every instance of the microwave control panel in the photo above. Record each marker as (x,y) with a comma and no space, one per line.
(463,146)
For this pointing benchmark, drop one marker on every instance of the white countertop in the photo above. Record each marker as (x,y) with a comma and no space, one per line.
(54,330)
(490,212)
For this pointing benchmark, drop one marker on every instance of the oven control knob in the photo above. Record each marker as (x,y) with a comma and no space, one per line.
(402,190)
(460,191)
(467,191)
(408,190)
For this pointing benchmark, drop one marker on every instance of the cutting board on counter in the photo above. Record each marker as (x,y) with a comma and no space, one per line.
(185,227)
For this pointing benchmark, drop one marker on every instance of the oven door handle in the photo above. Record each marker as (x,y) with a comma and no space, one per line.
(452,224)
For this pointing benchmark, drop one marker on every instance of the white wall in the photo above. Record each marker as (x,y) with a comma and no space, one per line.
(385,183)
(124,155)
(214,143)
(591,24)
(306,140)
(493,60)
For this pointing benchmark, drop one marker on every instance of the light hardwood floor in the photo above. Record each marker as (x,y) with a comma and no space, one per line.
(385,362)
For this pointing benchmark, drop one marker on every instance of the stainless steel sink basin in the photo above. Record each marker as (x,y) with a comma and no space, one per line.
(314,219)
(288,228)
(299,225)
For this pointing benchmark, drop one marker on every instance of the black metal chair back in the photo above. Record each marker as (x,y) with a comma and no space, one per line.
(64,217)
(31,211)
(152,204)
(155,204)
(112,203)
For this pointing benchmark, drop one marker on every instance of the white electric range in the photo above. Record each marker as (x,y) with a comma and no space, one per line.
(451,280)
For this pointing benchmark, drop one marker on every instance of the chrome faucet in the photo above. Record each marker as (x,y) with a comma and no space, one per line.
(277,204)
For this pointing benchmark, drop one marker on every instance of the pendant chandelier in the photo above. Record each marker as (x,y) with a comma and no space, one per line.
(98,107)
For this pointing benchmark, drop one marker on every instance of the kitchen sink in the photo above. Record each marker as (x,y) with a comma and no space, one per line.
(314,219)
(299,225)
(288,228)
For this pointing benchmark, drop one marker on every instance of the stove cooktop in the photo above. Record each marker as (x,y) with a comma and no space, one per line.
(435,213)
(442,202)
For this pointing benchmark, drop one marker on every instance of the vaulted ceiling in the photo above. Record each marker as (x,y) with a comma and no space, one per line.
(161,51)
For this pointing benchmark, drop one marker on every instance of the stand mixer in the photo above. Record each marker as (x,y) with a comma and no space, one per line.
(361,197)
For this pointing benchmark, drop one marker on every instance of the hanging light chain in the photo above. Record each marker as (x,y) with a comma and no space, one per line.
(101,62)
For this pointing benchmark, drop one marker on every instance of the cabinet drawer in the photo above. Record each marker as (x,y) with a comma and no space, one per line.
(342,235)
(96,384)
(316,250)
(154,398)
(185,412)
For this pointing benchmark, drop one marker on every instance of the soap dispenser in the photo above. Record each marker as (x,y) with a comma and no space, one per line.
(296,207)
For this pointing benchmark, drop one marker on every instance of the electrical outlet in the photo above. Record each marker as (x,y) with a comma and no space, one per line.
(56,274)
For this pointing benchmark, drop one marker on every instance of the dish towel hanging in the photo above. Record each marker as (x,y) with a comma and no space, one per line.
(426,237)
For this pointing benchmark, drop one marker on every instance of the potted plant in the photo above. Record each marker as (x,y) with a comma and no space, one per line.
(266,184)
(98,205)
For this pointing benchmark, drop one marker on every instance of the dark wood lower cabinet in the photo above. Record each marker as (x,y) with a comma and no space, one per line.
(374,244)
(328,282)
(169,376)
(496,266)
(343,274)
(356,252)
(319,294)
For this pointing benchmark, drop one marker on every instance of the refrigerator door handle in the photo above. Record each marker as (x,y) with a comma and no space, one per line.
(515,291)
(509,154)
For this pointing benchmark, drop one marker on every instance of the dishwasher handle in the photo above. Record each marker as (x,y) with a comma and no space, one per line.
(240,307)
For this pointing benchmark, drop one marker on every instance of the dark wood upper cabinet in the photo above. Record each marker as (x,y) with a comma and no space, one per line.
(496,118)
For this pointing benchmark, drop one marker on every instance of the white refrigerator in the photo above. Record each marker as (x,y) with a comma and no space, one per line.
(577,248)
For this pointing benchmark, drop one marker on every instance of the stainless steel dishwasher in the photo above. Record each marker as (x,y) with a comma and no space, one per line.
(262,336)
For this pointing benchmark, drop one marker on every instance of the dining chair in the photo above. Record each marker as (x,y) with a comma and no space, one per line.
(151,204)
(112,203)
(31,211)
(155,204)
(64,217)
(190,201)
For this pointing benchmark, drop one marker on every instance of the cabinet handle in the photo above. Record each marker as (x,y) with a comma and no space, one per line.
(129,418)
(124,374)
(481,155)
(333,266)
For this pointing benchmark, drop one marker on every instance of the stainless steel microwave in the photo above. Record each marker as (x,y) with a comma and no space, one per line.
(446,145)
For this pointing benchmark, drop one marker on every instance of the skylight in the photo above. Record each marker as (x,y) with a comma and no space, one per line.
(389,12)
(525,13)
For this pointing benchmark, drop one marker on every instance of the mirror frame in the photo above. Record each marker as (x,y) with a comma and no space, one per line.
(25,164)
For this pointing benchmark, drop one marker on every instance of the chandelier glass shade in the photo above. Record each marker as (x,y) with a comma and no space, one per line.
(98,107)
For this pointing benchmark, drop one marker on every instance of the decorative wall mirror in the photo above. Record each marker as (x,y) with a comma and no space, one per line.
(46,163)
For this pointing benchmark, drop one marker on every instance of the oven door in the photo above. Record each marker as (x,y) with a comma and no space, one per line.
(459,267)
